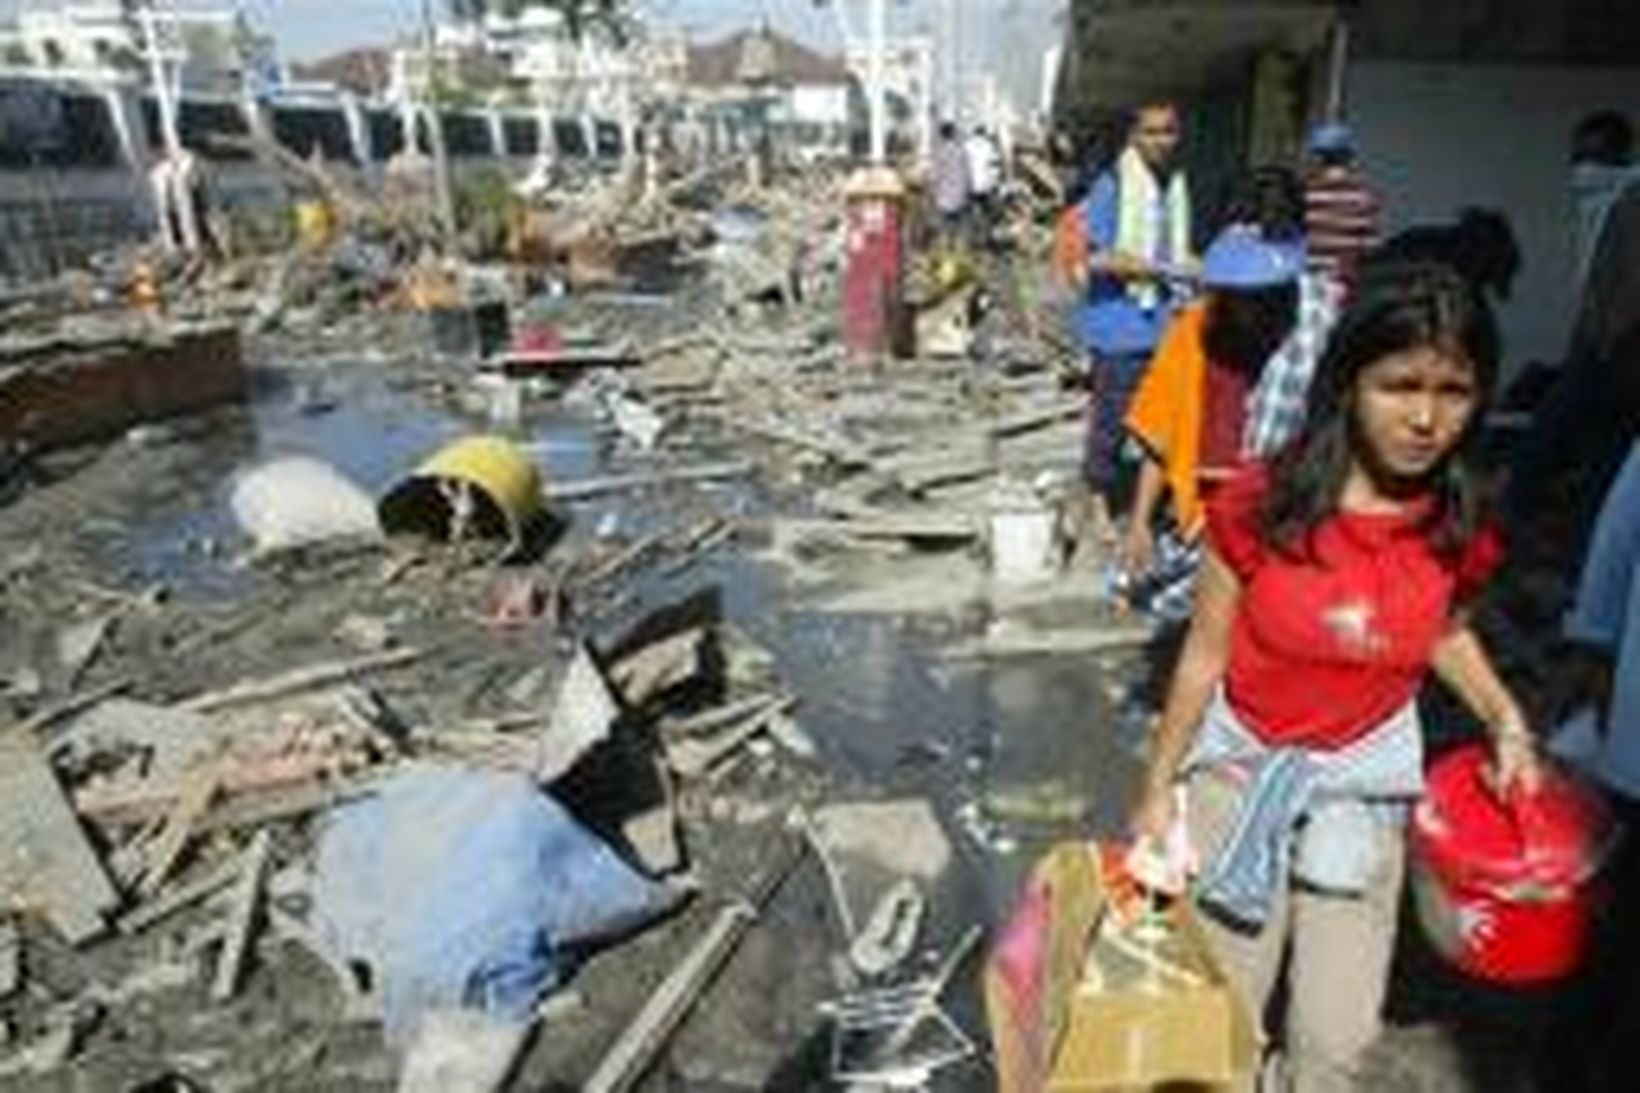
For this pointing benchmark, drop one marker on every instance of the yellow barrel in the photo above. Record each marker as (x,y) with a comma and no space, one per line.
(315,225)
(504,484)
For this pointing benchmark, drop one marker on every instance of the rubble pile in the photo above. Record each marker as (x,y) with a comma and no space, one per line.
(303,755)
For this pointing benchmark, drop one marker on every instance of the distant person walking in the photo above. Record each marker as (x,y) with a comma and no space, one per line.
(952,186)
(1138,219)
(984,173)
(1342,214)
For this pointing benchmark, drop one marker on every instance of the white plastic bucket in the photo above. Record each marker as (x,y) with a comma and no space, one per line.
(1024,550)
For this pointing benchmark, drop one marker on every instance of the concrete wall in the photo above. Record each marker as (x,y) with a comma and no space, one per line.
(1437,137)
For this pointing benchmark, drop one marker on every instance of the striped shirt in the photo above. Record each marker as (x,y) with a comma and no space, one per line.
(1341,220)
(1275,409)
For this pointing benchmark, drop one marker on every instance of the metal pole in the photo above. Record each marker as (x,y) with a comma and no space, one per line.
(875,77)
(435,133)
(162,85)
(1338,62)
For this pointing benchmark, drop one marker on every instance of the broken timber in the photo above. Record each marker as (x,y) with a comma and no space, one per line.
(302,679)
(247,903)
(181,897)
(637,1046)
(594,487)
(193,801)
(694,757)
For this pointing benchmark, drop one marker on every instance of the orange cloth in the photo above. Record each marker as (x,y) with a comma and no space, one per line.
(1166,412)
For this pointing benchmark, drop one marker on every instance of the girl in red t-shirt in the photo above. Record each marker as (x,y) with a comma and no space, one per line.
(1334,580)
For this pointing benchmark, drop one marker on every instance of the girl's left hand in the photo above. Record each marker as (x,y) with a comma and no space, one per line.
(1515,762)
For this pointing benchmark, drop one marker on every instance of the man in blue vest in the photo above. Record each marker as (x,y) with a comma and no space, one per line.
(1139,261)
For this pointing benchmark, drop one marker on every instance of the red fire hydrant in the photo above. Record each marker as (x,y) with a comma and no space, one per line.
(874,269)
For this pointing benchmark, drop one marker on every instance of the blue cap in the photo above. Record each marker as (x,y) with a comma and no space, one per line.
(1241,258)
(1332,136)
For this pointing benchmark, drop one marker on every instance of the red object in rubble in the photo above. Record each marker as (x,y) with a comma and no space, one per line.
(1507,889)
(537,339)
(874,263)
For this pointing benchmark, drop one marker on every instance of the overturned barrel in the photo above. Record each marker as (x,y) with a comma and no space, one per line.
(482,487)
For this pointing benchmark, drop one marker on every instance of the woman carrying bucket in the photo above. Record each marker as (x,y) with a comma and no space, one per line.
(1334,580)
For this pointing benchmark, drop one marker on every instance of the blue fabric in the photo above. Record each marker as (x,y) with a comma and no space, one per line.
(1600,613)
(1109,321)
(1308,814)
(463,888)
(1606,614)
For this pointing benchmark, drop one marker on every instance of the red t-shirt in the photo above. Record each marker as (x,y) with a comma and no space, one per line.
(1329,643)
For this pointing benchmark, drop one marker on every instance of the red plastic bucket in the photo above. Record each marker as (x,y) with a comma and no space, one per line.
(1507,889)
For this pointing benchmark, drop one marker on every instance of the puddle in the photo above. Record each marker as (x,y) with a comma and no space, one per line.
(370,430)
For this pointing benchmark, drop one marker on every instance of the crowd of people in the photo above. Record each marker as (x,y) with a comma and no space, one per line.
(1288,454)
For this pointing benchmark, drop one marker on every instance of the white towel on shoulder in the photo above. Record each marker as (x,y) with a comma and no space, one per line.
(1137,225)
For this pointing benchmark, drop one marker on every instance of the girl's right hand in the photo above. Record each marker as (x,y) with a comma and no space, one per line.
(1153,815)
(1138,550)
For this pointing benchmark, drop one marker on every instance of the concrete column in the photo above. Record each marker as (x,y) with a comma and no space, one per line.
(358,133)
(498,132)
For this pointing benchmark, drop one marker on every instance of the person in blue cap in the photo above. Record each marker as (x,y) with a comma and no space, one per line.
(1202,406)
(1342,213)
(1190,412)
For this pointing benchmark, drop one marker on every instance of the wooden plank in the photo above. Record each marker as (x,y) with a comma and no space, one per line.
(236,806)
(839,449)
(44,856)
(181,897)
(620,483)
(252,691)
(1027,420)
(247,904)
(693,757)
(672,999)
(718,717)
(199,787)
(72,705)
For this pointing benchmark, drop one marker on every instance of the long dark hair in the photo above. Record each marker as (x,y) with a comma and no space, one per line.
(1398,306)
(1246,326)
